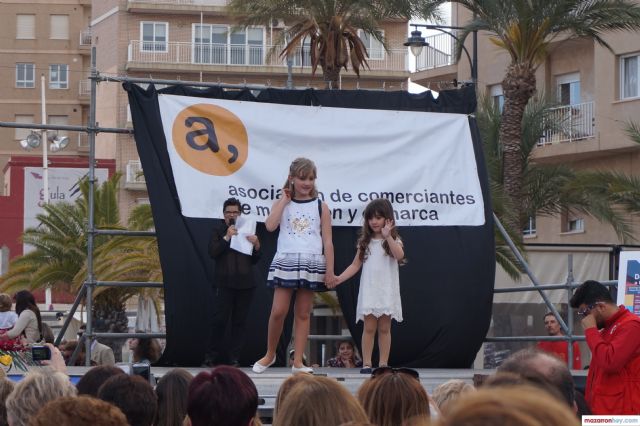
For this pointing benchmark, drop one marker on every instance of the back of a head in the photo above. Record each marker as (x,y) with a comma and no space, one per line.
(133,395)
(509,406)
(5,302)
(172,391)
(319,402)
(590,292)
(95,377)
(79,411)
(287,385)
(393,399)
(533,362)
(33,391)
(447,393)
(224,396)
(6,387)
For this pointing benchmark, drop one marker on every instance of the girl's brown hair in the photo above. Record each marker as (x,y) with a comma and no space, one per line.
(301,168)
(5,302)
(378,207)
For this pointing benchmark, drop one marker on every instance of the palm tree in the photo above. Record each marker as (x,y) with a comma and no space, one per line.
(526,29)
(331,27)
(59,257)
(548,190)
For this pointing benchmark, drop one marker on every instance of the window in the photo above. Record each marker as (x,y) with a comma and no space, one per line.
(58,76)
(25,76)
(497,97)
(58,120)
(59,27)
(23,133)
(530,227)
(25,27)
(216,44)
(569,89)
(629,77)
(571,223)
(154,36)
(375,49)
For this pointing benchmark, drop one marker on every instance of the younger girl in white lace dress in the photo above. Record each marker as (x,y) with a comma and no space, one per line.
(379,253)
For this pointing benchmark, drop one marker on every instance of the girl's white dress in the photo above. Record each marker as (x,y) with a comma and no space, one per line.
(379,285)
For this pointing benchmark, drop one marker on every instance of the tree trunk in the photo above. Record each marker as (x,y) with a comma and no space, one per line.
(518,87)
(331,78)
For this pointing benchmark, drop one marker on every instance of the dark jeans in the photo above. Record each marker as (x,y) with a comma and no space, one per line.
(232,306)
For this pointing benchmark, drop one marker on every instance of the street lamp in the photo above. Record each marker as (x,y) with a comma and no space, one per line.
(33,140)
(416,42)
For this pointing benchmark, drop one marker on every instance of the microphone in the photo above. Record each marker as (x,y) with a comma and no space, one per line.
(232,222)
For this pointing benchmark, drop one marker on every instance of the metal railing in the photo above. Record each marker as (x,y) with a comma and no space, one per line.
(574,122)
(243,55)
(134,172)
(84,88)
(439,53)
(182,2)
(85,37)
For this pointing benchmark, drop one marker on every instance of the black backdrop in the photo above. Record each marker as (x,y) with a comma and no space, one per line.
(446,287)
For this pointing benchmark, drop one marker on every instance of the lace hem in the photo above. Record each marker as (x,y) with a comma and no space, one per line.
(378,313)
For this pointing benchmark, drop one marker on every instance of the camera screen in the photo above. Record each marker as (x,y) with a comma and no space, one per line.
(40,353)
(143,370)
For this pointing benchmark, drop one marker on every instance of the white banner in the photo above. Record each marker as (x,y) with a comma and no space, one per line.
(63,187)
(422,162)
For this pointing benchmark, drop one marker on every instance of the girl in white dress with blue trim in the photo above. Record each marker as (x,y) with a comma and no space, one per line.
(303,261)
(380,251)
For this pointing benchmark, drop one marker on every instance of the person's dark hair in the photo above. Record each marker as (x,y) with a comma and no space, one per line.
(531,362)
(95,377)
(589,293)
(549,314)
(378,207)
(25,300)
(172,397)
(231,202)
(582,405)
(133,395)
(225,396)
(147,349)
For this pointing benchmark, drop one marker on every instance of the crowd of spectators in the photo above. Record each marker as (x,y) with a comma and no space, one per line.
(531,387)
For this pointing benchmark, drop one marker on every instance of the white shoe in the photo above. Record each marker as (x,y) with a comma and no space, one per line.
(259,368)
(303,369)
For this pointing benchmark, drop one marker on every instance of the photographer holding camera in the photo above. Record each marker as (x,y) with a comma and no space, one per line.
(234,286)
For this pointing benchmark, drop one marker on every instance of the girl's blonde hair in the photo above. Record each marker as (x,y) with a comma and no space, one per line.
(509,406)
(319,402)
(5,302)
(378,207)
(301,168)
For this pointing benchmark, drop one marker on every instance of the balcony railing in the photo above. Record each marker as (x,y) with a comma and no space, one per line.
(198,2)
(570,123)
(85,37)
(242,55)
(84,88)
(134,172)
(83,141)
(439,53)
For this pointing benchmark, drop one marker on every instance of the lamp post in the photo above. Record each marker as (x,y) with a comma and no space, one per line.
(54,143)
(416,42)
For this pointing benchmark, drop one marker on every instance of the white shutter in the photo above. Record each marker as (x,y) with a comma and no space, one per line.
(26,27)
(59,120)
(23,133)
(59,27)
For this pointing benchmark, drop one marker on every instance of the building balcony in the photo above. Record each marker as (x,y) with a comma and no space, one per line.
(572,123)
(85,38)
(134,177)
(178,6)
(256,59)
(437,61)
(84,89)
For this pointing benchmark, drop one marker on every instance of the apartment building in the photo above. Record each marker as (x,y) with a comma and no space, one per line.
(50,39)
(196,40)
(598,91)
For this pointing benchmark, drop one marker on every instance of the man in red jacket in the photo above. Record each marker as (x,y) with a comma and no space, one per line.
(559,348)
(613,335)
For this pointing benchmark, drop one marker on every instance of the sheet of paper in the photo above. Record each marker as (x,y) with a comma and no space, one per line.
(239,242)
